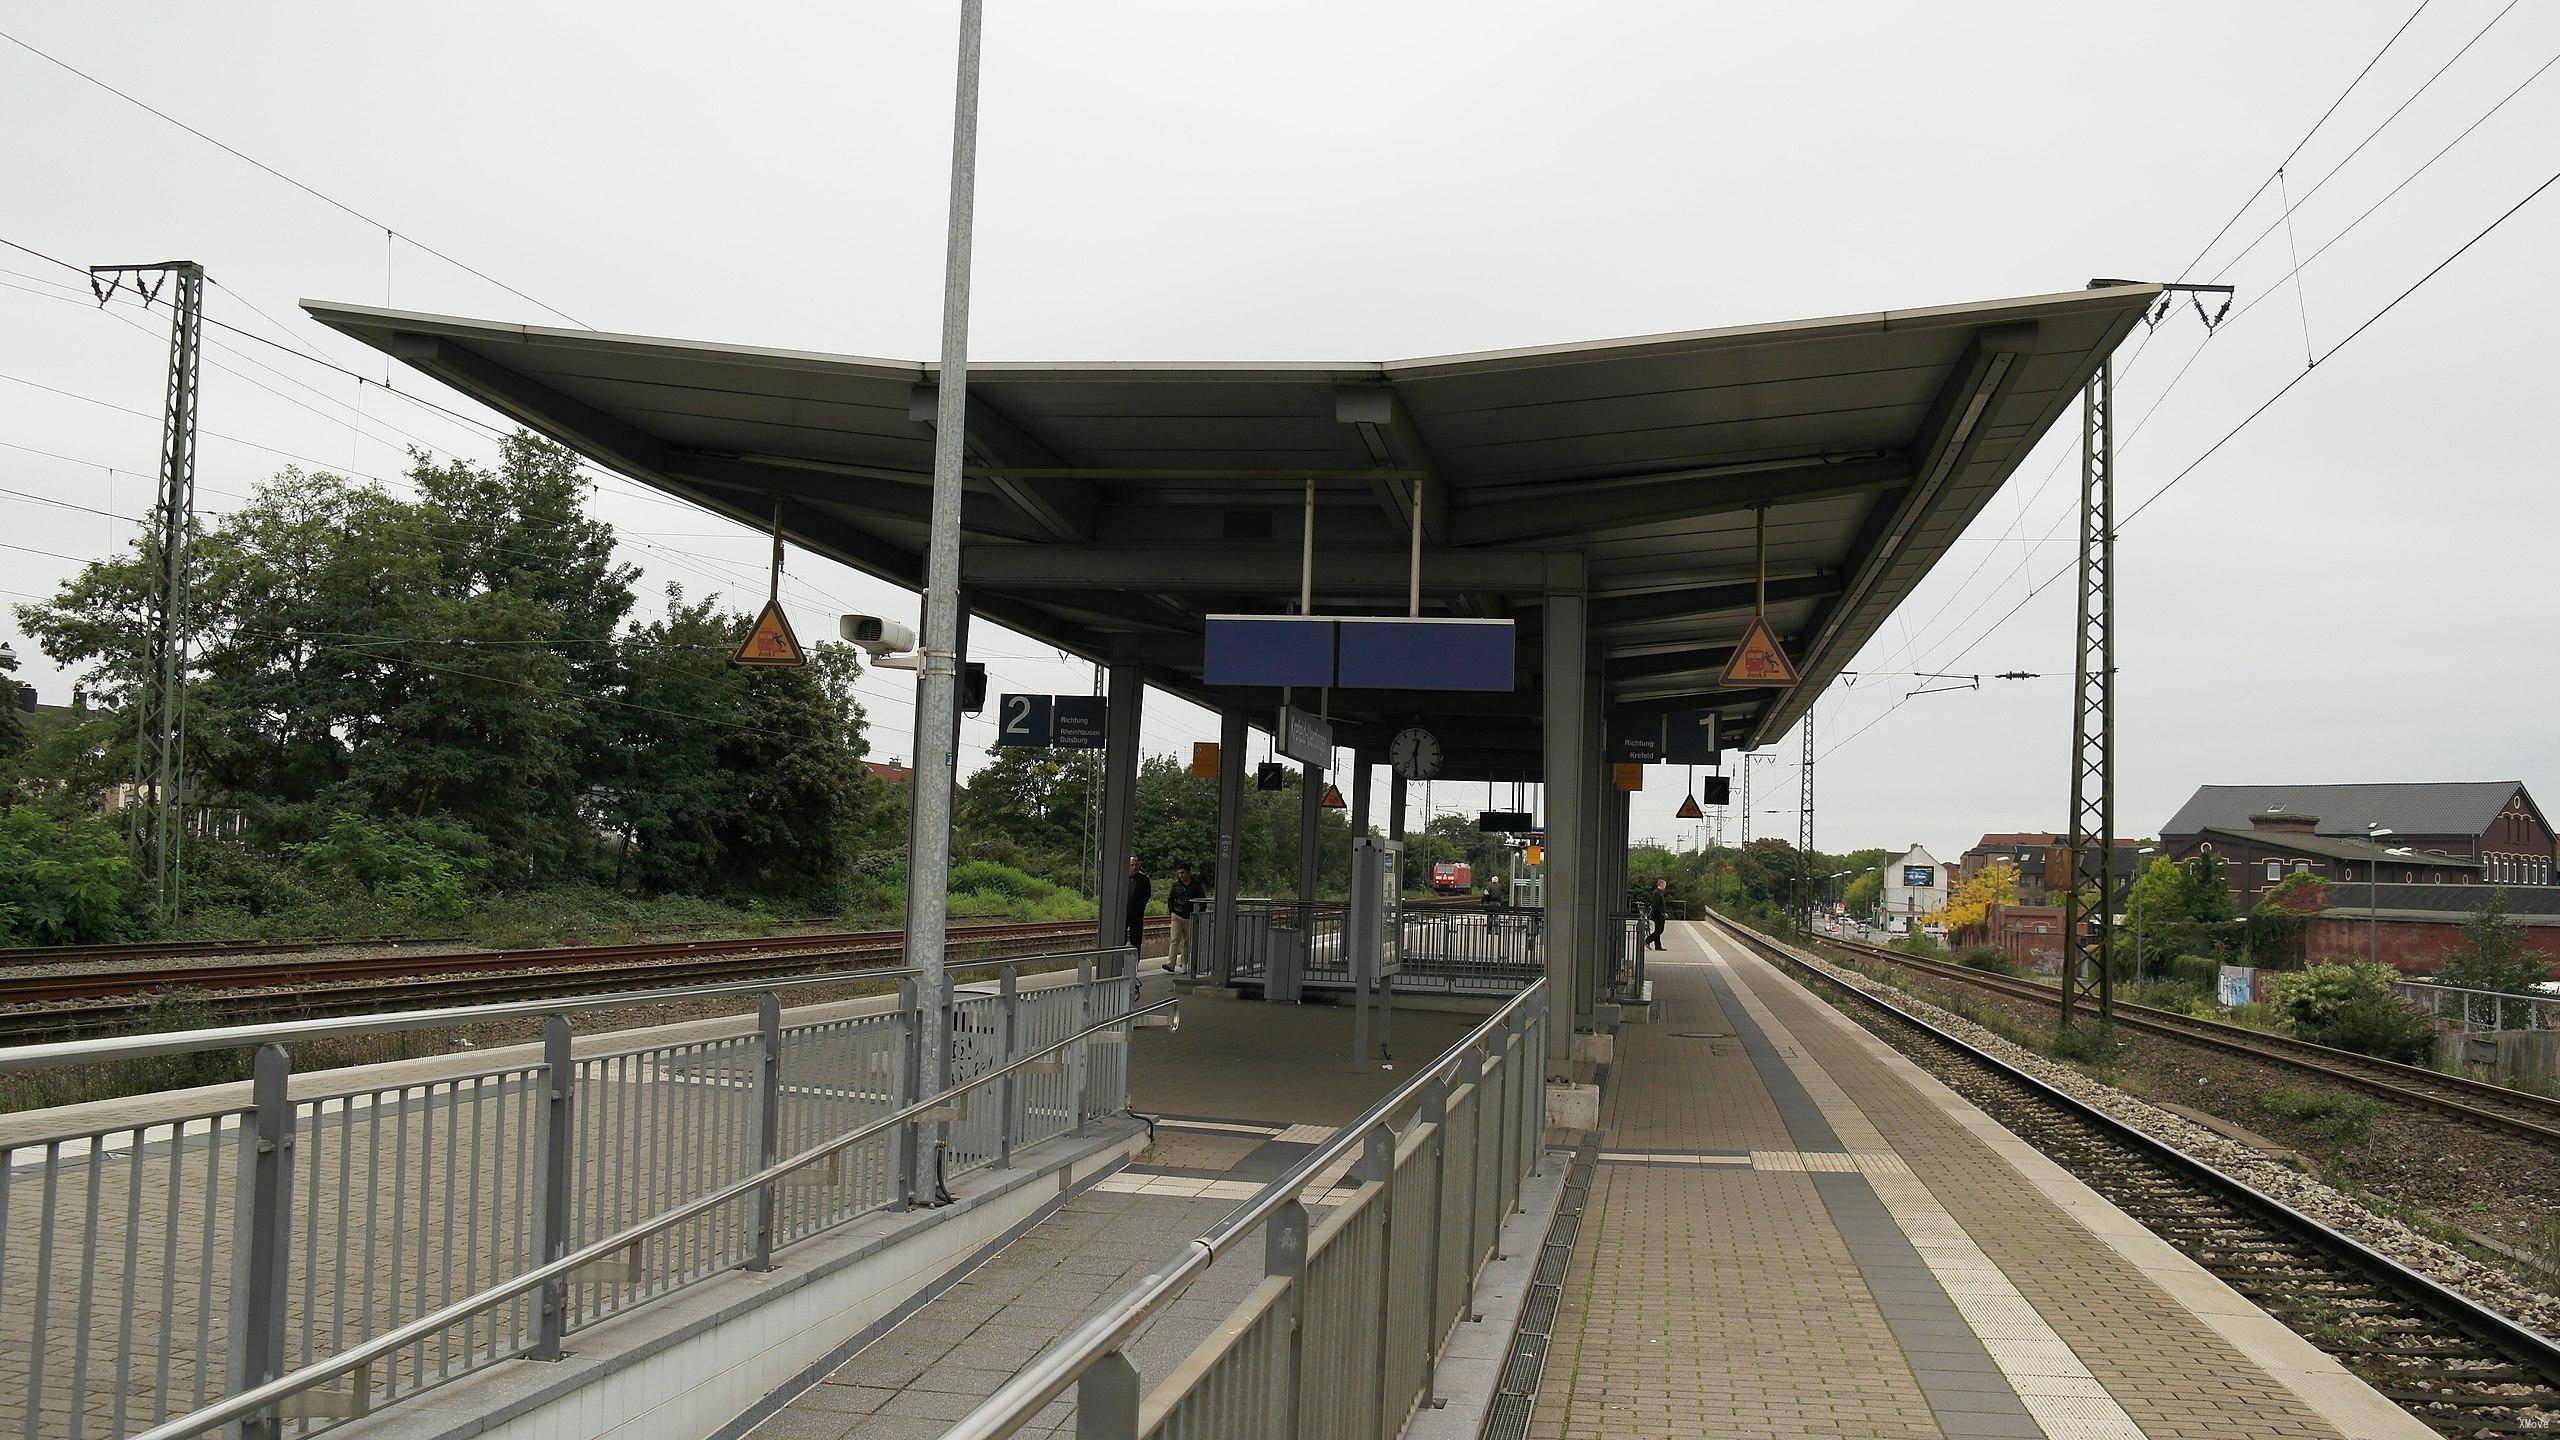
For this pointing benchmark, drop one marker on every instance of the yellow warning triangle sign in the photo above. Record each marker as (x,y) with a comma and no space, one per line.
(1759,659)
(1689,808)
(771,642)
(1332,798)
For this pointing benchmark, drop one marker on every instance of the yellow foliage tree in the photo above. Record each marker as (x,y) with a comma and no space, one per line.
(1971,903)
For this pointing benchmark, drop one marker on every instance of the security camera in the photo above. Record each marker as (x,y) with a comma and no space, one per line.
(886,641)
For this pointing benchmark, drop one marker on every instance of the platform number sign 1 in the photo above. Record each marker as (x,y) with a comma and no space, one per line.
(1025,720)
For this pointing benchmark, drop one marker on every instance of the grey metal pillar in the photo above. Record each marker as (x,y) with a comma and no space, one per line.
(1119,804)
(938,656)
(1310,811)
(1566,768)
(1593,849)
(1360,768)
(1395,806)
(1222,907)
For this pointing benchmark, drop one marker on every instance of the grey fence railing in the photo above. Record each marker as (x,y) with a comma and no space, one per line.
(306,1258)
(1460,949)
(2482,1010)
(1341,1339)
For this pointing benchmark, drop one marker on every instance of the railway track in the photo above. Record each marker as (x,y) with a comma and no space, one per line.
(2473,1102)
(2460,1368)
(124,950)
(67,1006)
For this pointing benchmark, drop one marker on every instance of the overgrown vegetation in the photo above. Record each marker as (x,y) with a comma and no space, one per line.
(2351,1007)
(2334,1119)
(2496,954)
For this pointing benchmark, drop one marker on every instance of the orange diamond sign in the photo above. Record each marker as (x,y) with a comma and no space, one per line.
(1689,808)
(771,642)
(1332,798)
(1759,659)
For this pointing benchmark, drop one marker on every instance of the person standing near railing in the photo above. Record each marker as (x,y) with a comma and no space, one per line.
(1183,903)
(1657,909)
(1141,890)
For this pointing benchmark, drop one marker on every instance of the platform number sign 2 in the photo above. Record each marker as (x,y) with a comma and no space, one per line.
(1025,720)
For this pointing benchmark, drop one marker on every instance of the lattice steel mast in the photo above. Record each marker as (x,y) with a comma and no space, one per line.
(2088,916)
(1804,826)
(158,804)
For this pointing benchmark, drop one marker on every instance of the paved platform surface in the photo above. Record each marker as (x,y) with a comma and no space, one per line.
(1244,1091)
(1793,1231)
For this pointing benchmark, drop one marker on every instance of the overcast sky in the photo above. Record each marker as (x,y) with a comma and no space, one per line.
(2357,586)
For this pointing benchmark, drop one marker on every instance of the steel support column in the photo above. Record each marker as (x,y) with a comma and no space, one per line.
(2088,913)
(1222,905)
(1806,887)
(1566,766)
(1119,804)
(1360,768)
(1592,845)
(1395,806)
(1310,812)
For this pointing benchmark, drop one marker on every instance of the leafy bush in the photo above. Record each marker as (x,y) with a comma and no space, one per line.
(2175,995)
(2201,972)
(1988,957)
(2352,1007)
(416,880)
(63,879)
(1916,943)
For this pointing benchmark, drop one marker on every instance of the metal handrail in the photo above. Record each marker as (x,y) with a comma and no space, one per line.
(274,1392)
(1053,1370)
(57,1053)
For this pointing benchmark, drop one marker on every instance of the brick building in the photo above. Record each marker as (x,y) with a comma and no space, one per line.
(2438,833)
(2039,857)
(2414,927)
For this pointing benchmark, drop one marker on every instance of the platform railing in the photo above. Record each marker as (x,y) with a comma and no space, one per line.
(308,1258)
(2487,1011)
(1340,1340)
(1472,950)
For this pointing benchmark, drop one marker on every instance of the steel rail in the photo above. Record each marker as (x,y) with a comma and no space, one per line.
(2397,1081)
(532,960)
(250,1402)
(1019,1400)
(2545,1350)
(56,1054)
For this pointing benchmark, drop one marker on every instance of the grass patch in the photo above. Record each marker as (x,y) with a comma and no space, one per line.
(2336,1120)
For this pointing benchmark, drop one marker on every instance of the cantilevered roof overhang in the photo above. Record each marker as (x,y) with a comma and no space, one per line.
(1110,506)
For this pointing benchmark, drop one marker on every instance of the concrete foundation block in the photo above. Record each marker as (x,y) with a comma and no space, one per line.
(1594,1047)
(1573,1107)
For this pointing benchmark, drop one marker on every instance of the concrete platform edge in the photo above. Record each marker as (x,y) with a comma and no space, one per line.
(2319,1381)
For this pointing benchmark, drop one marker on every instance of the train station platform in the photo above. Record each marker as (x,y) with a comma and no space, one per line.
(1792,1230)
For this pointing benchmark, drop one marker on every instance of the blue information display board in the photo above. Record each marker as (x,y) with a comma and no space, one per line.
(1425,654)
(1267,650)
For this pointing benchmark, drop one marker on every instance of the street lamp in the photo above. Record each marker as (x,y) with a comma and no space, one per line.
(2373,896)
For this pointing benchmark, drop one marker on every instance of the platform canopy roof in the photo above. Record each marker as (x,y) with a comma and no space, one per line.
(1112,505)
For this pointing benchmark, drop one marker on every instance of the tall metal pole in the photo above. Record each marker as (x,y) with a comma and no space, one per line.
(158,803)
(938,676)
(2087,924)
(1804,824)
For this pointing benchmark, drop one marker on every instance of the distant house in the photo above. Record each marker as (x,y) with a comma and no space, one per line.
(2039,858)
(1914,884)
(2422,833)
(891,771)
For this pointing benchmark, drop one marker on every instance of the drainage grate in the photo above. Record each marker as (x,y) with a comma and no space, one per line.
(1701,1034)
(1508,1418)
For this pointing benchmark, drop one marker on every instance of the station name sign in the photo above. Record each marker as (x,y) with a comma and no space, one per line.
(1304,737)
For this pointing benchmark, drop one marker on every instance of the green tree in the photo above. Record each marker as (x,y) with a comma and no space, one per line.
(2496,954)
(2353,1007)
(63,879)
(13,722)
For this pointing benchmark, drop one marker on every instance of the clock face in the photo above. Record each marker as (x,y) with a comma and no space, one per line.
(1415,754)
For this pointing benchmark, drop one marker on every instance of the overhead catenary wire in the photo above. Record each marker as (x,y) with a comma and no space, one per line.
(313,191)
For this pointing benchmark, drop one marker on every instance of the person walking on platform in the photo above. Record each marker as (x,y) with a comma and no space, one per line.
(1657,908)
(1493,894)
(1183,902)
(1141,890)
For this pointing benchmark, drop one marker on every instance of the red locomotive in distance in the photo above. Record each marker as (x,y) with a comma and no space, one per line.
(1452,877)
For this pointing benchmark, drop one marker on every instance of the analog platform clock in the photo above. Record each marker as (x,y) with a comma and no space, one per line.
(1415,754)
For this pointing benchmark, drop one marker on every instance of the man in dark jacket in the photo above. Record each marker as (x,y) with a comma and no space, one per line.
(1141,890)
(1184,902)
(1657,907)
